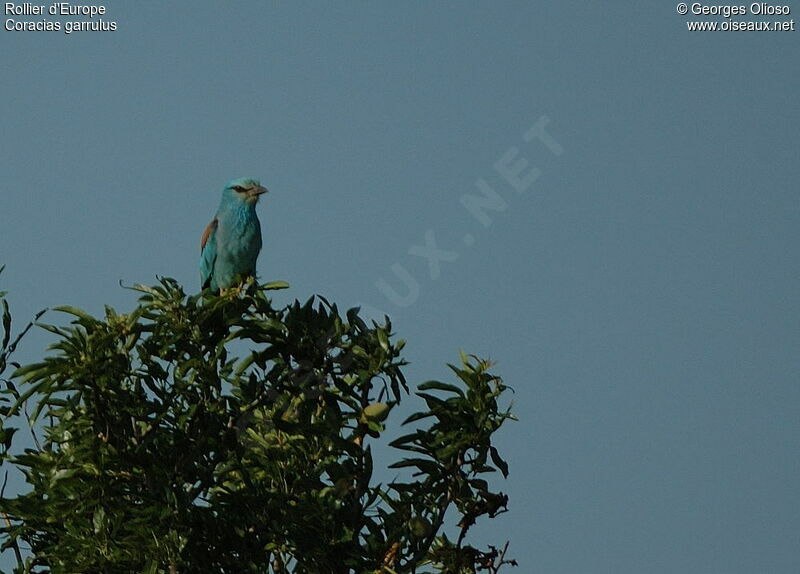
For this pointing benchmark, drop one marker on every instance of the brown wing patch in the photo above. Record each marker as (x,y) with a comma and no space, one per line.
(210,228)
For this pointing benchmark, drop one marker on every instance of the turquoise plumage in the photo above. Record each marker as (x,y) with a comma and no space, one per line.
(231,242)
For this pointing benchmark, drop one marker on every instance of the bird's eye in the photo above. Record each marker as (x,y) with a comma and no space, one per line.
(238,188)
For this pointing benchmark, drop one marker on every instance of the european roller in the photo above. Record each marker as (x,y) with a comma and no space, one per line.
(231,242)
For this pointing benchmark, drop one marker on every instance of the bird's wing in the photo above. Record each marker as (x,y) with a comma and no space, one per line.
(208,253)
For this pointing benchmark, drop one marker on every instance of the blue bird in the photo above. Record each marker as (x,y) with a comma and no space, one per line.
(231,242)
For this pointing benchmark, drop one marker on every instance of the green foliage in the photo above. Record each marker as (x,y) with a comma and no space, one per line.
(215,433)
(8,345)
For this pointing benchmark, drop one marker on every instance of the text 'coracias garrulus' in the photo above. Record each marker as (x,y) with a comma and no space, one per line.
(231,242)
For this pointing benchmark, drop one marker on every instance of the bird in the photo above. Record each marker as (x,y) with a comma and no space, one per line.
(231,242)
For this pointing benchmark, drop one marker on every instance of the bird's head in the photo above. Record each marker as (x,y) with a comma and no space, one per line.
(243,190)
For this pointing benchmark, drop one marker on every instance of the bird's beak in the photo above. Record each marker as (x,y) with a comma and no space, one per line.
(254,192)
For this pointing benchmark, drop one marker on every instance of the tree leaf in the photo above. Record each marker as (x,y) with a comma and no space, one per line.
(498,461)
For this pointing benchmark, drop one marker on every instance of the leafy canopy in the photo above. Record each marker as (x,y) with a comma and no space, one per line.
(216,433)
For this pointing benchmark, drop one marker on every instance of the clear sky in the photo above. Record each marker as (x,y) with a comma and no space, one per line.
(641,295)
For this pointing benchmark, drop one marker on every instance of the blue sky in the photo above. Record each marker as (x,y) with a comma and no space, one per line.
(641,296)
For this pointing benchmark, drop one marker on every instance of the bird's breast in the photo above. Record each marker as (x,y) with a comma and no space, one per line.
(239,235)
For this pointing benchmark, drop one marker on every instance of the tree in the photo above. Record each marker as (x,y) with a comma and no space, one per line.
(163,451)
